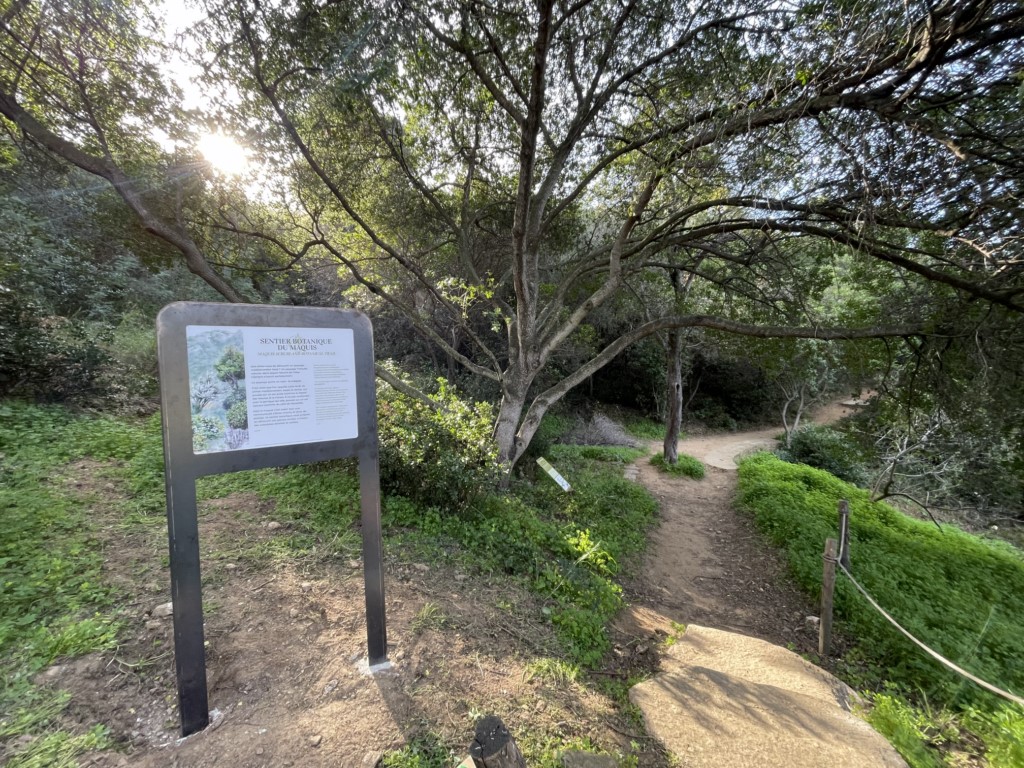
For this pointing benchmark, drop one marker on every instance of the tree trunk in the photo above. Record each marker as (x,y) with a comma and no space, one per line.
(506,426)
(675,396)
(799,398)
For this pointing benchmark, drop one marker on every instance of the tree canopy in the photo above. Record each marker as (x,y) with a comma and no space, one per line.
(501,175)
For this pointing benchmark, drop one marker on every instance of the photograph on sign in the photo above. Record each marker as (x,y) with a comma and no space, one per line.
(256,387)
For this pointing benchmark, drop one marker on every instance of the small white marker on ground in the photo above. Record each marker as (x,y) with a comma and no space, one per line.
(546,466)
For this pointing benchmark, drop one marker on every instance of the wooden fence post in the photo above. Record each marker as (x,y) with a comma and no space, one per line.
(844,533)
(828,585)
(494,747)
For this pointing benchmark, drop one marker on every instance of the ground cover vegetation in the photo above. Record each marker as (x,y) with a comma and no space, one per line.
(687,466)
(566,549)
(957,592)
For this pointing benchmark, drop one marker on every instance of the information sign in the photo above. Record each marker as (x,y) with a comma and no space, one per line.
(243,387)
(260,387)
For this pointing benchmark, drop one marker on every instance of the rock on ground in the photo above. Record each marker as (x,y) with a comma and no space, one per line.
(599,430)
(728,699)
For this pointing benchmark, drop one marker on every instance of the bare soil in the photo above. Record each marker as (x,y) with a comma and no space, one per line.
(286,655)
(286,637)
(707,564)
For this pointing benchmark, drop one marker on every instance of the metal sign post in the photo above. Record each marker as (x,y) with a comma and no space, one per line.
(247,387)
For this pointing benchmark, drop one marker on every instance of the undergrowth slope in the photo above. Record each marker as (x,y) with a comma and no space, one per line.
(960,594)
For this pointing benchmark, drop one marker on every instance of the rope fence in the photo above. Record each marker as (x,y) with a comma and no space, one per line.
(831,560)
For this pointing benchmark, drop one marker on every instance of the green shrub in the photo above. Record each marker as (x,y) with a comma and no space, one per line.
(48,358)
(713,415)
(238,415)
(687,466)
(129,378)
(905,728)
(1003,734)
(552,427)
(566,547)
(960,594)
(828,449)
(425,750)
(437,457)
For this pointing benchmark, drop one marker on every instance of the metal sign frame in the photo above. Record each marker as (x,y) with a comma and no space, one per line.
(182,467)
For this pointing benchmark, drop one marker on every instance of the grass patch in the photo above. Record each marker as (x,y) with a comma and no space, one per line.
(60,749)
(554,671)
(644,428)
(52,599)
(566,547)
(618,454)
(907,729)
(425,751)
(960,594)
(686,466)
(430,616)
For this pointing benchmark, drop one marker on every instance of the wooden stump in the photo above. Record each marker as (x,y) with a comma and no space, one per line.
(494,747)
(844,534)
(828,586)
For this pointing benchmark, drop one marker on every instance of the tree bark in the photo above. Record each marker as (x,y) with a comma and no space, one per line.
(675,396)
(506,426)
(798,396)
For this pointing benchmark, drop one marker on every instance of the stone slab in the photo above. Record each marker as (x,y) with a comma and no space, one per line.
(730,700)
(757,661)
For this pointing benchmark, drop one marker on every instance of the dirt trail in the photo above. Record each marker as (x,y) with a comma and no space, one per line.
(736,697)
(707,563)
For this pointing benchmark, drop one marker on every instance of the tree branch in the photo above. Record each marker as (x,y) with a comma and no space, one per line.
(105,168)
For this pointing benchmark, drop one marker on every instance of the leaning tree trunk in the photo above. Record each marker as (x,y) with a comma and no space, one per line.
(675,396)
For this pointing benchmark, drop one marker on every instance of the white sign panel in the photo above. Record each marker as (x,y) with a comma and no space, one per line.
(554,474)
(255,387)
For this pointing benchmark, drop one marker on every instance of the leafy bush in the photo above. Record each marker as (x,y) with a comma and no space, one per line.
(566,547)
(922,735)
(732,391)
(599,525)
(960,594)
(47,358)
(129,377)
(907,729)
(687,466)
(635,378)
(238,415)
(828,449)
(713,415)
(437,457)
(1003,733)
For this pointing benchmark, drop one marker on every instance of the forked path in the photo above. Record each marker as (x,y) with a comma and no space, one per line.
(725,698)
